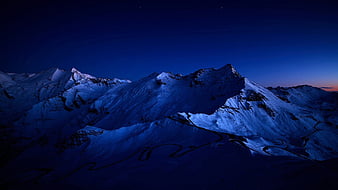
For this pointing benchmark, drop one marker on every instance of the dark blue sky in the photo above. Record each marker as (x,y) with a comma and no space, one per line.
(273,42)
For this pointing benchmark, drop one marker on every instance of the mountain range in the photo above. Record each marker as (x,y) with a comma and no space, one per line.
(211,129)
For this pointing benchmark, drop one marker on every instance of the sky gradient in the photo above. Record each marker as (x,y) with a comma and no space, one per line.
(275,43)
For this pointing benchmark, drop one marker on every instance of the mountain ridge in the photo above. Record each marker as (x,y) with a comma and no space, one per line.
(67,112)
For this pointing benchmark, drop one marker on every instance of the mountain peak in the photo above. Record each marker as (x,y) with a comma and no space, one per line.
(74,70)
(77,75)
(230,69)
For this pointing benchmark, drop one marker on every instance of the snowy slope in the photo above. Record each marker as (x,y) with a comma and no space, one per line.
(75,129)
(278,126)
(161,95)
(40,106)
(20,91)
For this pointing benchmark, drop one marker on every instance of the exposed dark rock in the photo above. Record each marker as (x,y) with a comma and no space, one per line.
(268,110)
(254,96)
(8,95)
(284,99)
(293,117)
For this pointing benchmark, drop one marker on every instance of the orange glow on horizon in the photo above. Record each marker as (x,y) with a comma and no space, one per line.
(331,88)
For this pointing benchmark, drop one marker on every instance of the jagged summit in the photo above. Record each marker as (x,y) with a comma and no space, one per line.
(230,69)
(74,70)
(77,75)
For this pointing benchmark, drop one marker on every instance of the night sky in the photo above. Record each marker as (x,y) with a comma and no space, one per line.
(272,42)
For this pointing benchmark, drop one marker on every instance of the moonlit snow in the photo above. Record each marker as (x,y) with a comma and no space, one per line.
(210,129)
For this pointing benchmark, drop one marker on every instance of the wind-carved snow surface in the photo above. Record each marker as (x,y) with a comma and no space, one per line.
(69,124)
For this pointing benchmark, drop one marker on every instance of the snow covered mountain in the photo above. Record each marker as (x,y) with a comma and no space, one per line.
(69,125)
